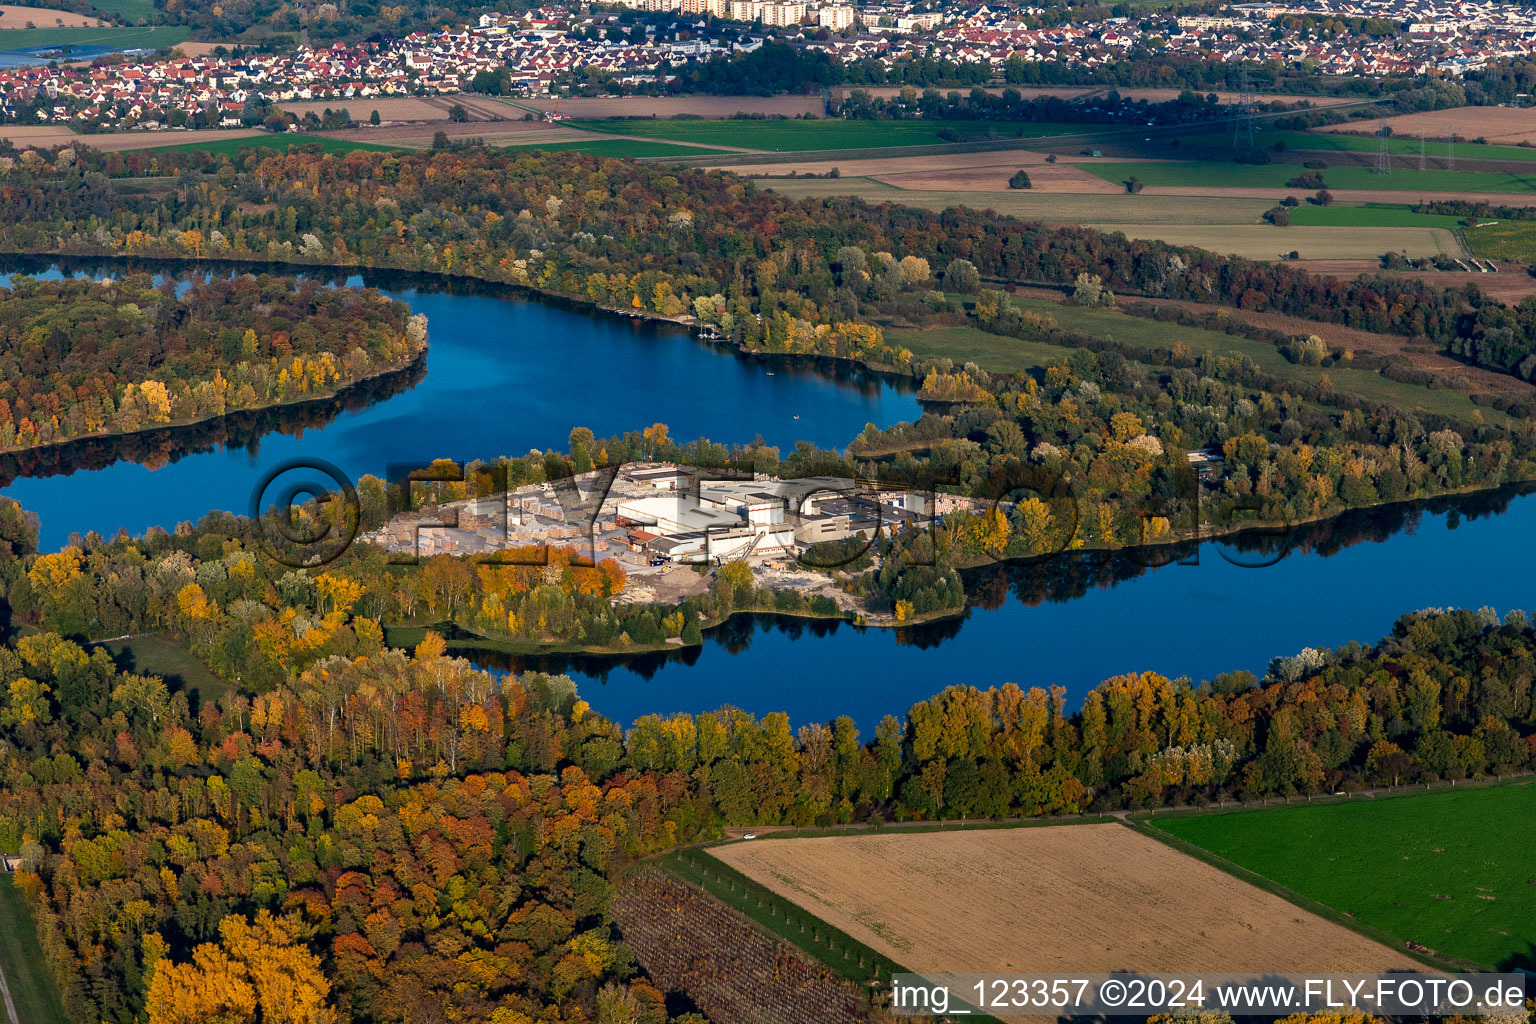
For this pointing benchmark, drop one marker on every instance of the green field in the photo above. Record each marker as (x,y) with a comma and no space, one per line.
(790,136)
(1403,147)
(618,148)
(1155,334)
(133,10)
(32,990)
(1274,176)
(1503,240)
(1371,215)
(1450,870)
(970,344)
(152,37)
(157,656)
(278,142)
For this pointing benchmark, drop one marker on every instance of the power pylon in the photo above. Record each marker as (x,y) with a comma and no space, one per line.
(1383,156)
(1242,117)
(1423,164)
(1450,146)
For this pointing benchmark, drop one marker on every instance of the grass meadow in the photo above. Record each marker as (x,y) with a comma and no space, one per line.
(792,136)
(276,142)
(144,38)
(32,990)
(1451,870)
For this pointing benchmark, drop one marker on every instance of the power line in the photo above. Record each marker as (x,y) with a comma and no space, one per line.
(1242,117)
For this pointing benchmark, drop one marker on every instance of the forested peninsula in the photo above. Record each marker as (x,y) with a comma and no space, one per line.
(82,358)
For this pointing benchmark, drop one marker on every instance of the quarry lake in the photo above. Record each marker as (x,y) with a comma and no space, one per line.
(505,374)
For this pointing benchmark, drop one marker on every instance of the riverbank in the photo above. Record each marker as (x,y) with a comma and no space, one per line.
(312,399)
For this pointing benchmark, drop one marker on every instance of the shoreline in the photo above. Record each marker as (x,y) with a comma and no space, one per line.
(174,425)
(467,642)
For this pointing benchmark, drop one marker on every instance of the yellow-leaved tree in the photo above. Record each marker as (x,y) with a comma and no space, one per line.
(258,972)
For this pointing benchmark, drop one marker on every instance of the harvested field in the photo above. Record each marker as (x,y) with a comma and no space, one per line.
(1266,242)
(42,17)
(118,142)
(730,968)
(42,136)
(1507,125)
(1096,898)
(198,48)
(1510,285)
(666,106)
(1036,204)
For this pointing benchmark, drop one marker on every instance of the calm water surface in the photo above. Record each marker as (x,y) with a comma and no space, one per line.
(505,374)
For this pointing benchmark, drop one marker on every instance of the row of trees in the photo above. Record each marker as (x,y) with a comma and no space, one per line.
(84,357)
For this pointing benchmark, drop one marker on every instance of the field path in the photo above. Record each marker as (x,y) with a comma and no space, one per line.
(10,1007)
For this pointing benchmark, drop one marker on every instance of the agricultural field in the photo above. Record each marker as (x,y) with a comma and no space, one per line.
(622,148)
(1503,240)
(1404,148)
(1371,215)
(12,16)
(133,10)
(1499,125)
(1199,174)
(790,136)
(152,37)
(1451,871)
(667,106)
(267,141)
(1266,242)
(21,960)
(1054,208)
(1089,897)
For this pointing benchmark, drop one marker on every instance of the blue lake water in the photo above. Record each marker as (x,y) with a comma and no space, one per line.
(505,374)
(1068,623)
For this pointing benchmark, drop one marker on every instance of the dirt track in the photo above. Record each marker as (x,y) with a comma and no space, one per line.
(1094,898)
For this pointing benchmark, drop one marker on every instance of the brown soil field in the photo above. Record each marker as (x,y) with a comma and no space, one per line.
(40,135)
(666,106)
(43,17)
(192,48)
(44,136)
(1501,125)
(1068,92)
(1094,898)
